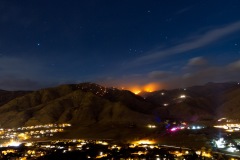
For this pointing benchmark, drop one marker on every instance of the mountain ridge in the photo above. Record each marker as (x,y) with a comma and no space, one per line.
(90,103)
(68,103)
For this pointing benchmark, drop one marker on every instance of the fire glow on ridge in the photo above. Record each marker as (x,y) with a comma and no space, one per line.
(150,87)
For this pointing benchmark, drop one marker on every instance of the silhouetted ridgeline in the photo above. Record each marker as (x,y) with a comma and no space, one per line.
(89,103)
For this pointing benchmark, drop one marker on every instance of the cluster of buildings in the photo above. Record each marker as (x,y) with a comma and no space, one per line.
(100,149)
(228,125)
(25,143)
(30,132)
(175,125)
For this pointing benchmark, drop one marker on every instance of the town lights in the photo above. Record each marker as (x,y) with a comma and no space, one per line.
(182,96)
(151,126)
(13,144)
(143,142)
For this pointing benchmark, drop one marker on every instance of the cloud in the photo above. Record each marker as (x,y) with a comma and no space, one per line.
(200,77)
(19,66)
(228,72)
(197,61)
(204,75)
(158,74)
(234,66)
(201,40)
(16,83)
(179,78)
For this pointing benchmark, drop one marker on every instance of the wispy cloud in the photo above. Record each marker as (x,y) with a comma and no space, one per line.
(201,40)
(159,74)
(224,73)
(184,76)
(16,83)
(234,66)
(21,67)
(197,61)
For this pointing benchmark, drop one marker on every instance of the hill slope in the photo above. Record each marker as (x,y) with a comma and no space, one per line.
(95,110)
(78,104)
(6,96)
(209,101)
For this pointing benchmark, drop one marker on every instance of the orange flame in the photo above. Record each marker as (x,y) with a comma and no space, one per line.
(135,89)
(150,87)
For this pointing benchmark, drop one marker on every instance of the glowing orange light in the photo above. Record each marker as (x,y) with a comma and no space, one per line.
(151,87)
(144,142)
(135,89)
(136,92)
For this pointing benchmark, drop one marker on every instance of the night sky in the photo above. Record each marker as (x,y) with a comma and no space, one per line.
(120,43)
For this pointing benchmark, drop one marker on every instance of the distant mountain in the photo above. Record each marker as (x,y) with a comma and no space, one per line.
(92,108)
(209,101)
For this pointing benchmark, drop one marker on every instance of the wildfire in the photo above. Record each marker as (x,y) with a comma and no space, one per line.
(135,89)
(136,92)
(150,87)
